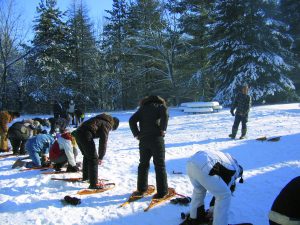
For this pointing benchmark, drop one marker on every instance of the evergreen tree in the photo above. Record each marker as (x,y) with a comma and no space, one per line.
(249,47)
(114,49)
(195,15)
(144,17)
(158,47)
(290,13)
(84,55)
(49,68)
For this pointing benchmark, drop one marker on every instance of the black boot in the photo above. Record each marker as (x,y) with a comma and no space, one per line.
(201,215)
(72,169)
(244,132)
(233,133)
(57,166)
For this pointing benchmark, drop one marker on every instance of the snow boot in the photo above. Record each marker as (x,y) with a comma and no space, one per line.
(244,131)
(201,218)
(57,166)
(72,169)
(97,186)
(233,133)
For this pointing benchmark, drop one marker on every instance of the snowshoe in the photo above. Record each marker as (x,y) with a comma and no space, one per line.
(275,139)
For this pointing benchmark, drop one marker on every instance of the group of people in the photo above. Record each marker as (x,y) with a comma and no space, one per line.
(68,112)
(212,171)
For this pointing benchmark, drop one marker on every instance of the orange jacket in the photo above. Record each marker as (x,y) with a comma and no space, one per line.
(5,119)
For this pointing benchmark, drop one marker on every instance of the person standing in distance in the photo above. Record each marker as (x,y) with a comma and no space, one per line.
(242,104)
(95,127)
(152,117)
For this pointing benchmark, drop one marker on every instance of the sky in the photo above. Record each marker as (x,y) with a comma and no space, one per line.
(30,197)
(96,10)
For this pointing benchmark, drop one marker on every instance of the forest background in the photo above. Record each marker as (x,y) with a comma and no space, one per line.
(182,50)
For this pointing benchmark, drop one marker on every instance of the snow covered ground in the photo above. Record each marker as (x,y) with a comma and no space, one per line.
(33,198)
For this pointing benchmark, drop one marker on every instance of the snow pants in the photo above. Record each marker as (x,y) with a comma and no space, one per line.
(203,182)
(152,147)
(18,145)
(237,120)
(86,144)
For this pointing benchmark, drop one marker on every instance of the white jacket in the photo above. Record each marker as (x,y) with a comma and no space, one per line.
(67,146)
(71,108)
(205,160)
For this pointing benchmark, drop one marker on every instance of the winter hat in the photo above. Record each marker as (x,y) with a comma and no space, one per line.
(116,123)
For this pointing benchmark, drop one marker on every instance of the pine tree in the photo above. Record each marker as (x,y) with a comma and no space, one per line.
(249,47)
(114,49)
(290,13)
(49,68)
(194,17)
(158,47)
(82,45)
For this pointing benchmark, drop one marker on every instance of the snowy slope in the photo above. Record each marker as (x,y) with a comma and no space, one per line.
(32,198)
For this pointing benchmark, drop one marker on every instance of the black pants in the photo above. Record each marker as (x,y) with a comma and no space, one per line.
(238,119)
(152,146)
(87,147)
(18,145)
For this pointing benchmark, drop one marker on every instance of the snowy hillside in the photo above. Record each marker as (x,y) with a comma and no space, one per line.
(33,198)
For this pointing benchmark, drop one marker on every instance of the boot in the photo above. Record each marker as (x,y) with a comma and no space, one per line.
(201,215)
(72,169)
(233,133)
(244,131)
(57,166)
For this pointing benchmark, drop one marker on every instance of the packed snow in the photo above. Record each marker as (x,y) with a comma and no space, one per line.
(30,197)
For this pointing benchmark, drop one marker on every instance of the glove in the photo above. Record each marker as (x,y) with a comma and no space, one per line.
(181,201)
(72,200)
(232,113)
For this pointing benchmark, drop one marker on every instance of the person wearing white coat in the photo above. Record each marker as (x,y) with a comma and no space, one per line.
(216,172)
(71,110)
(64,150)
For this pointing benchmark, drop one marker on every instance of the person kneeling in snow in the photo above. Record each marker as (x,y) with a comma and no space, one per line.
(38,148)
(64,150)
(215,172)
(286,207)
(19,132)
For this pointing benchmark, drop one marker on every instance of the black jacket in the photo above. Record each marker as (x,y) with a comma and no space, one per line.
(19,131)
(242,104)
(99,126)
(288,200)
(152,117)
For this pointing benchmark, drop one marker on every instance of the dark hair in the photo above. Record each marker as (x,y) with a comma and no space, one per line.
(116,123)
(152,99)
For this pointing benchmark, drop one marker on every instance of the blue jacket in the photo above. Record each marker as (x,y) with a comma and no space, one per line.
(40,143)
